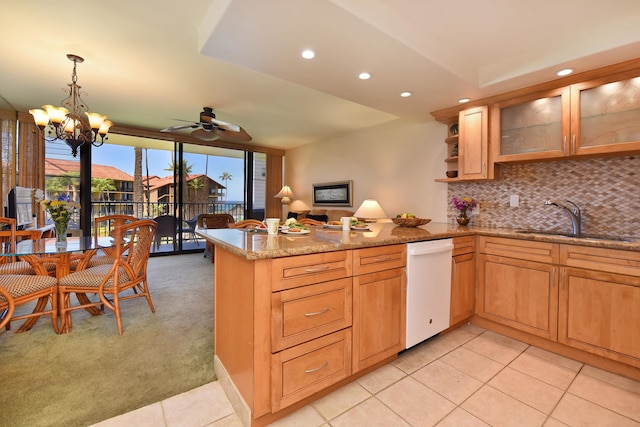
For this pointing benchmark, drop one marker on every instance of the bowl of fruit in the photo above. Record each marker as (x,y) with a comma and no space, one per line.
(409,220)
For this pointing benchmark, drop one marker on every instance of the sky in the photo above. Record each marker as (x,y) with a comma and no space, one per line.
(122,157)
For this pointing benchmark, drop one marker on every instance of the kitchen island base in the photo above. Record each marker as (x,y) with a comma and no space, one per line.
(289,330)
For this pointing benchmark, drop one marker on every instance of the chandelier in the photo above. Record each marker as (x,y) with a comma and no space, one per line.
(72,123)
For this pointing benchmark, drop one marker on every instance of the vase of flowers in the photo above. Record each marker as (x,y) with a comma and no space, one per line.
(464,205)
(60,210)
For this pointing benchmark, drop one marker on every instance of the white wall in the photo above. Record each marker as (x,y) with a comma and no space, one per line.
(395,163)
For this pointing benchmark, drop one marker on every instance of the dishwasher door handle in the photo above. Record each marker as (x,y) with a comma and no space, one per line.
(429,251)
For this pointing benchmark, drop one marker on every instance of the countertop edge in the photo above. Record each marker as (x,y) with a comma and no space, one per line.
(405,235)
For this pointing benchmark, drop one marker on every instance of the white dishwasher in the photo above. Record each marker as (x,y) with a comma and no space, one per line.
(428,289)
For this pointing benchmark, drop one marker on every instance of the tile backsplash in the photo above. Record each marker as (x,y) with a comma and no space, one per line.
(606,189)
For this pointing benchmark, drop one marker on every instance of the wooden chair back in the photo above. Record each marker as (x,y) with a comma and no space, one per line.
(215,220)
(247,223)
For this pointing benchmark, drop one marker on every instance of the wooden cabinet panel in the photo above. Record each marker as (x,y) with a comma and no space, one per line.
(473,151)
(521,294)
(601,259)
(521,249)
(291,272)
(380,258)
(379,316)
(305,369)
(463,289)
(599,313)
(302,314)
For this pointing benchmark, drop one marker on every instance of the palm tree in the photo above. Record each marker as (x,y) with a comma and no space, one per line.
(226,176)
(138,189)
(186,171)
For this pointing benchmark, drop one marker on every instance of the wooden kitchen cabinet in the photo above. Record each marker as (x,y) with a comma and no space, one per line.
(518,284)
(472,159)
(597,117)
(473,149)
(463,279)
(599,308)
(379,304)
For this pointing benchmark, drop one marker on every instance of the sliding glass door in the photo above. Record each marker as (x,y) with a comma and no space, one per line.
(167,181)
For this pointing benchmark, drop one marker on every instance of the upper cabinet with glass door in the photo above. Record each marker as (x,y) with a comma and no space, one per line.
(597,117)
(534,127)
(606,116)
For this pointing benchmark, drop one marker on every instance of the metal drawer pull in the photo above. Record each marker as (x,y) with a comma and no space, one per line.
(383,258)
(315,270)
(309,371)
(324,310)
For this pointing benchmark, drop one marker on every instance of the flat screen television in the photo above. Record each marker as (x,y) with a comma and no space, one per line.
(20,206)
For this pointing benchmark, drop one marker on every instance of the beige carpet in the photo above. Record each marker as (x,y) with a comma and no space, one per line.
(92,374)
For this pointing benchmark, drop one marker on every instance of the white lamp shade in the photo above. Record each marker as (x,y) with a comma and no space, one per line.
(285,192)
(370,209)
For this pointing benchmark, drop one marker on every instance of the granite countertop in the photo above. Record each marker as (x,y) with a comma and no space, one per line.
(258,245)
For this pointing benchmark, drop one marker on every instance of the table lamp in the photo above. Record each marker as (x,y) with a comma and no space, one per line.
(285,194)
(370,210)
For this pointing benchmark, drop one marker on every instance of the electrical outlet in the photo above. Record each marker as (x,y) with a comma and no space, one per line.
(476,210)
(514,200)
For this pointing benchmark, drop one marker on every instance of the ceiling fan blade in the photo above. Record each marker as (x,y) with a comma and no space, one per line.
(205,135)
(233,136)
(180,127)
(221,124)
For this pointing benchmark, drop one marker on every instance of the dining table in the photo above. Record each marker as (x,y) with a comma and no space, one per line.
(77,253)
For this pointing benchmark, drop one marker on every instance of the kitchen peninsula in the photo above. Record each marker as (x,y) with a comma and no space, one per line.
(276,351)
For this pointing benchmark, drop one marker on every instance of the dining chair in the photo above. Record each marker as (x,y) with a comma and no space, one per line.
(309,221)
(247,223)
(7,311)
(132,246)
(104,226)
(214,221)
(9,237)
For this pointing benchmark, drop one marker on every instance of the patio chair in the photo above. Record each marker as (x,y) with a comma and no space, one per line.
(129,271)
(167,228)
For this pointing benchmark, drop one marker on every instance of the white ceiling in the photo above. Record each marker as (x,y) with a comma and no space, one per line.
(148,62)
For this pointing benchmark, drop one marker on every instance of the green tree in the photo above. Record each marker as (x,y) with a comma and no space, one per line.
(226,177)
(67,183)
(100,186)
(186,171)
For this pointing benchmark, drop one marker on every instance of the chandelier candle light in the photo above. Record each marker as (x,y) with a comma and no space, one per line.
(72,122)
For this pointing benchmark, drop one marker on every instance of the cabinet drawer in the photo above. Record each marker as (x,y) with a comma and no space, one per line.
(292,272)
(380,258)
(301,371)
(464,245)
(519,249)
(308,312)
(601,259)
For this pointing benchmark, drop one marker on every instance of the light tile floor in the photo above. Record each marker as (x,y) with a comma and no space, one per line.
(469,377)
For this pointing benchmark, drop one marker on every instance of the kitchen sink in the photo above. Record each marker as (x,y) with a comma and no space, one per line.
(581,236)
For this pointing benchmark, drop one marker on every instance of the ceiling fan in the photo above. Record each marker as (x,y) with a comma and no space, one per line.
(211,129)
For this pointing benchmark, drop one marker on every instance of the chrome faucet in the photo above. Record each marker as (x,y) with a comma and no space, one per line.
(574,214)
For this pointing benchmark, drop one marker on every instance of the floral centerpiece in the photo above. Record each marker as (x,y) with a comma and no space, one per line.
(464,205)
(60,210)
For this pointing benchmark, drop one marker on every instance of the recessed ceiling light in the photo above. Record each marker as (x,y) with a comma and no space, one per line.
(564,72)
(463,100)
(405,94)
(364,76)
(308,54)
